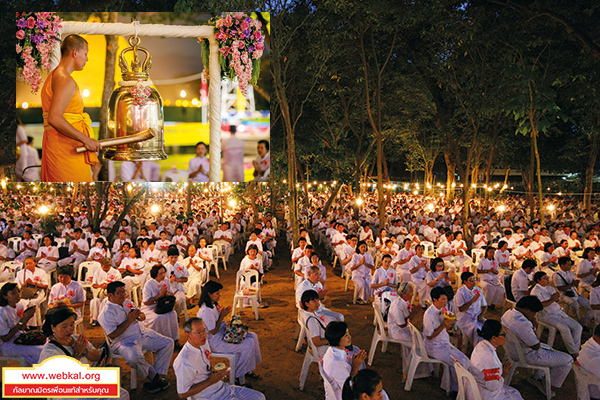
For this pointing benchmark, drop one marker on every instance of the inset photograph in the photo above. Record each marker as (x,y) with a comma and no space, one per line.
(143,97)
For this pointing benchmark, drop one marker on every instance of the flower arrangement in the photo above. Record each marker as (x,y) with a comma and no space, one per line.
(140,94)
(241,45)
(36,34)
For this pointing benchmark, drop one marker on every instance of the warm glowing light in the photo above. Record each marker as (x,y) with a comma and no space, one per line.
(85,93)
(297,185)
(195,102)
(560,193)
(551,207)
(183,93)
(129,187)
(430,207)
(405,187)
(359,201)
(25,105)
(232,203)
(485,185)
(547,188)
(285,181)
(461,185)
(315,182)
(185,103)
(454,184)
(416,192)
(3,184)
(34,188)
(154,208)
(441,194)
(489,189)
(44,209)
(167,102)
(473,185)
(309,186)
(501,208)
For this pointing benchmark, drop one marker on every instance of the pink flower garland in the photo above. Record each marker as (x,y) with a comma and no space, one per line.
(241,45)
(36,34)
(140,94)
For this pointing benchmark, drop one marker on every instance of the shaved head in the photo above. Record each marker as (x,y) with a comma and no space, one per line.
(70,43)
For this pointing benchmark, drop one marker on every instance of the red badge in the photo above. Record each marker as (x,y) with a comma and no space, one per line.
(71,293)
(208,353)
(491,374)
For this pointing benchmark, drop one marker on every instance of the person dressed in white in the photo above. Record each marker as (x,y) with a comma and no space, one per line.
(446,251)
(47,255)
(490,281)
(98,251)
(247,353)
(399,314)
(566,284)
(177,276)
(132,269)
(119,320)
(488,371)
(314,320)
(418,267)
(13,320)
(78,250)
(402,262)
(548,259)
(480,240)
(223,238)
(262,163)
(35,278)
(28,247)
(587,269)
(553,314)
(198,166)
(522,252)
(437,340)
(589,359)
(100,280)
(521,284)
(384,279)
(156,288)
(361,267)
(312,283)
(67,292)
(471,307)
(180,240)
(339,362)
(151,256)
(195,378)
(502,255)
(365,385)
(197,274)
(233,158)
(519,321)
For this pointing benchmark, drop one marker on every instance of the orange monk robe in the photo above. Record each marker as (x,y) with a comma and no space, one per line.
(60,162)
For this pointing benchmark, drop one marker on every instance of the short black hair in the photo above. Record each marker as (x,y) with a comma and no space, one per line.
(538,275)
(112,287)
(7,287)
(491,328)
(531,303)
(335,331)
(265,142)
(437,292)
(529,263)
(307,296)
(209,287)
(65,270)
(55,316)
(155,270)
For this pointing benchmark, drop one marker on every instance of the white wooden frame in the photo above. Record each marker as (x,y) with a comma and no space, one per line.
(203,31)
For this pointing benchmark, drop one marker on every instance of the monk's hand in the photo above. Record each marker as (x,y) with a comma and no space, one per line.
(92,145)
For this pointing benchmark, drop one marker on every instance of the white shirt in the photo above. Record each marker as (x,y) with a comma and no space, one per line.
(519,284)
(304,286)
(489,265)
(233,159)
(544,294)
(192,366)
(9,317)
(49,251)
(100,276)
(193,166)
(584,267)
(421,272)
(589,356)
(486,369)
(380,276)
(39,276)
(432,319)
(398,315)
(114,315)
(337,365)
(73,291)
(463,296)
(264,167)
(522,328)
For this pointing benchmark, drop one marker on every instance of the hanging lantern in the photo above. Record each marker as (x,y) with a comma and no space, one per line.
(135,112)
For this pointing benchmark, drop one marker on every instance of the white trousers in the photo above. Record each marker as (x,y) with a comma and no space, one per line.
(494,294)
(444,352)
(133,352)
(558,362)
(570,330)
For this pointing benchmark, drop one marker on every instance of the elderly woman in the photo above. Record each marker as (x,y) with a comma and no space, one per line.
(154,290)
(59,327)
(13,319)
(247,352)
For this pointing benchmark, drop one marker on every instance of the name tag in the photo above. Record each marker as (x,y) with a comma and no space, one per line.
(491,374)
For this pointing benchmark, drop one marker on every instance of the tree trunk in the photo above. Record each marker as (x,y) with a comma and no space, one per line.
(332,197)
(126,209)
(589,172)
(74,197)
(188,200)
(450,178)
(252,190)
(112,45)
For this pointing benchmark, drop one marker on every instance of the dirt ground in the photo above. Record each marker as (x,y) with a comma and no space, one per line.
(280,368)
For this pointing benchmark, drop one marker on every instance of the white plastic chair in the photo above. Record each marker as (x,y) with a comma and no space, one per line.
(428,247)
(214,263)
(461,262)
(330,392)
(477,254)
(303,332)
(551,332)
(517,358)
(14,243)
(60,242)
(583,380)
(38,237)
(311,356)
(174,175)
(379,335)
(113,356)
(91,268)
(419,355)
(239,297)
(465,379)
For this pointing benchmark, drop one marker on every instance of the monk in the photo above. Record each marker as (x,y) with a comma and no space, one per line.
(66,126)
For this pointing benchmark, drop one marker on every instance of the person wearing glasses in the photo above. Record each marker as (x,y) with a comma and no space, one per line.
(486,367)
(196,379)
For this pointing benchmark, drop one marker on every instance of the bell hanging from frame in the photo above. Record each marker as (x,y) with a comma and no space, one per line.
(135,111)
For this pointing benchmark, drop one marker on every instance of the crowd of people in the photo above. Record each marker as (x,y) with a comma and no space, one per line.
(142,285)
(492,280)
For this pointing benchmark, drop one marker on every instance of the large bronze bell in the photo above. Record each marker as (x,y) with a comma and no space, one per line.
(128,120)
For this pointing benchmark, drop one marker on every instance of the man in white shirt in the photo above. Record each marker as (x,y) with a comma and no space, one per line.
(262,164)
(118,243)
(119,319)
(27,247)
(36,277)
(312,283)
(195,377)
(223,238)
(198,166)
(78,250)
(521,283)
(519,321)
(430,233)
(589,359)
